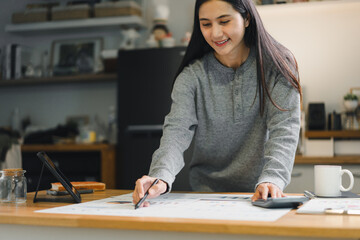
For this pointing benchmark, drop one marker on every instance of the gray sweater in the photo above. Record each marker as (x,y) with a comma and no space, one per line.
(235,148)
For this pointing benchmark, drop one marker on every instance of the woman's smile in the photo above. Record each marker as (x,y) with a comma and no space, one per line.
(222,43)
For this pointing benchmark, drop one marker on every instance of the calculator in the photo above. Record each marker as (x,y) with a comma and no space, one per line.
(284,202)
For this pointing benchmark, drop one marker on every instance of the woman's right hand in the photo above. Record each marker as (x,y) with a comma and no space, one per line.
(143,184)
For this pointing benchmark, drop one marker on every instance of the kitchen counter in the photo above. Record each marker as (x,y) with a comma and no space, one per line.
(20,222)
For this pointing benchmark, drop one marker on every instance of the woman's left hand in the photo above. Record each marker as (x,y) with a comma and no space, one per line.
(263,189)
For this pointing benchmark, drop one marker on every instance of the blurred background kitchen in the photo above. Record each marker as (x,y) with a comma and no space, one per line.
(67,85)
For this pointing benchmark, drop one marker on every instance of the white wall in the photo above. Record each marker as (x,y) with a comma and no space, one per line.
(324,37)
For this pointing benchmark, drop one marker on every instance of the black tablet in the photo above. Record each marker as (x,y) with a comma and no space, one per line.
(59,176)
(285,202)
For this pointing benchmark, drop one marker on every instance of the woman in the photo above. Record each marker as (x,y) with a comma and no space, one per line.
(237,96)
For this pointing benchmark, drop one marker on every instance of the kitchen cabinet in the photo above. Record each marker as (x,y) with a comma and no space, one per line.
(330,143)
(78,162)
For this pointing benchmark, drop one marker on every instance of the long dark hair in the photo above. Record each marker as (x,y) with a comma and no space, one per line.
(268,51)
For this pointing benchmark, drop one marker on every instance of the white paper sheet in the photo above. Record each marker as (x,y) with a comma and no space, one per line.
(176,205)
(318,205)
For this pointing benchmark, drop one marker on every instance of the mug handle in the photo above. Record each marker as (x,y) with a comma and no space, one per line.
(351,180)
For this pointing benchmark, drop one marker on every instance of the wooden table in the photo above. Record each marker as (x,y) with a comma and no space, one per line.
(20,222)
(107,153)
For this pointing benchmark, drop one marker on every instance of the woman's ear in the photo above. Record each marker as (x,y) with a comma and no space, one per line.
(247,20)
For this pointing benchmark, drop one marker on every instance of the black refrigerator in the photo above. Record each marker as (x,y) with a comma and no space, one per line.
(145,80)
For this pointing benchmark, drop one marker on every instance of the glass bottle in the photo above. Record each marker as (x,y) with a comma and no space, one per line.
(112,125)
(13,186)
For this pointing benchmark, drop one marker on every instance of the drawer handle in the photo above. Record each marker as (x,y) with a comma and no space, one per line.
(297,174)
(144,128)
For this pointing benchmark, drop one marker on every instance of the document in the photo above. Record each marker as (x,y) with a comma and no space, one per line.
(177,205)
(331,206)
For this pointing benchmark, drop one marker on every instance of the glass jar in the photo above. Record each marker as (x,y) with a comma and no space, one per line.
(349,121)
(13,186)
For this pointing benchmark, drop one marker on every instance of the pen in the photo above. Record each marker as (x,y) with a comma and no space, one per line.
(146,194)
(309,194)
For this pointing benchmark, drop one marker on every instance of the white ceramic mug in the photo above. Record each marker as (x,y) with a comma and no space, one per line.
(328,180)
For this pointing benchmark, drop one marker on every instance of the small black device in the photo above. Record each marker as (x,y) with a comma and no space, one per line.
(59,176)
(285,202)
(316,116)
(334,121)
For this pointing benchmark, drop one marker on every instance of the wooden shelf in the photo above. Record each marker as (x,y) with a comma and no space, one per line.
(333,134)
(346,159)
(65,147)
(76,25)
(65,79)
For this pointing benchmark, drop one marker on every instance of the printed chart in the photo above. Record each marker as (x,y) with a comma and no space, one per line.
(177,205)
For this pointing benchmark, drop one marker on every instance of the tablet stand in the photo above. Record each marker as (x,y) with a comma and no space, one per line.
(37,187)
(75,195)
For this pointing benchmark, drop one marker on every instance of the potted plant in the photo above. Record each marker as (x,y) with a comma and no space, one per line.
(350,102)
